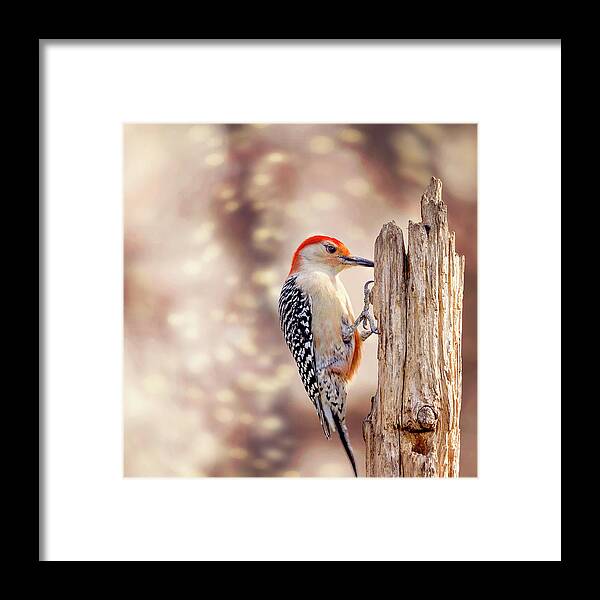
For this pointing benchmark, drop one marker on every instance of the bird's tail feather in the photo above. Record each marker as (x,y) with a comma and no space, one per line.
(343,432)
(325,417)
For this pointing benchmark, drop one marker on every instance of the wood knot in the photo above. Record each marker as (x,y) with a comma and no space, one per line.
(426,418)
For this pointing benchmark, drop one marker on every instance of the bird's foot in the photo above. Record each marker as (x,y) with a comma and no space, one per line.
(365,317)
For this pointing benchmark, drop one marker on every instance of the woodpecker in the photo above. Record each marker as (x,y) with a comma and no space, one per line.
(318,324)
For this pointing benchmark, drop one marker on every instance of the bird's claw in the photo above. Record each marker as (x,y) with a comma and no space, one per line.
(368,293)
(365,316)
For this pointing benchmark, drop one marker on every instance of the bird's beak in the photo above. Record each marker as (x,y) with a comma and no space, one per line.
(357,261)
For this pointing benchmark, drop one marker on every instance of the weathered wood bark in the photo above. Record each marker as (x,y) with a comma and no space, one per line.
(413,427)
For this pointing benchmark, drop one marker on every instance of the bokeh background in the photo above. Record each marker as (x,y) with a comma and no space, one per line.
(212,215)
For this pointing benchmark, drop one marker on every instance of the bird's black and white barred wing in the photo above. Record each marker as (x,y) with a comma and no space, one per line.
(295,317)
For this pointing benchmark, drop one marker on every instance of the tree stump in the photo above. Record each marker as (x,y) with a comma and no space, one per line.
(413,427)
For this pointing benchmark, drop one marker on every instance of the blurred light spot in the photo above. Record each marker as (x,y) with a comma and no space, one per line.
(434,133)
(216,314)
(294,210)
(357,232)
(242,144)
(203,233)
(268,386)
(155,384)
(331,470)
(232,206)
(225,395)
(351,135)
(245,345)
(247,381)
(191,267)
(238,453)
(214,142)
(224,354)
(247,301)
(321,144)
(262,179)
(213,251)
(285,372)
(199,133)
(255,194)
(274,454)
(144,214)
(455,158)
(290,474)
(207,447)
(191,333)
(260,463)
(262,234)
(198,362)
(232,280)
(194,393)
(276,157)
(272,423)
(227,192)
(264,277)
(246,418)
(419,175)
(265,361)
(265,404)
(410,149)
(175,319)
(224,415)
(323,200)
(215,159)
(260,125)
(188,471)
(357,186)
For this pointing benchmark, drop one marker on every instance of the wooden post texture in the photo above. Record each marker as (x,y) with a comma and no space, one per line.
(413,427)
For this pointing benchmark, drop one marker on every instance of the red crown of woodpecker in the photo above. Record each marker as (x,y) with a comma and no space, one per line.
(316,239)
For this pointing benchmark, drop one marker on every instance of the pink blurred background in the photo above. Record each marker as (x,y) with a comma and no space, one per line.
(213,214)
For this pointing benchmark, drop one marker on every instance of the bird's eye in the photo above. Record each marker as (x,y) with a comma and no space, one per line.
(329,248)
